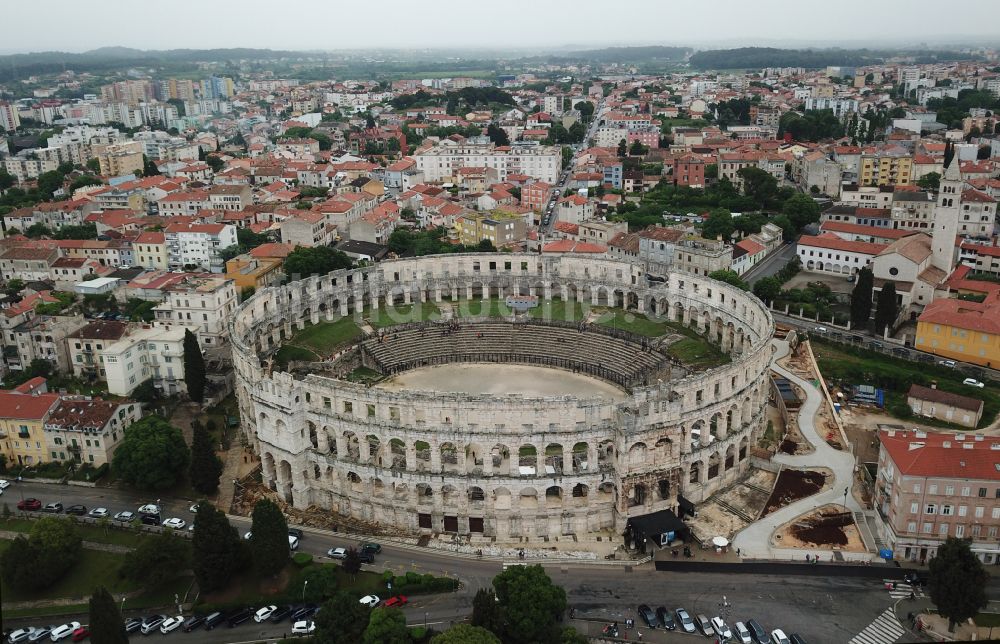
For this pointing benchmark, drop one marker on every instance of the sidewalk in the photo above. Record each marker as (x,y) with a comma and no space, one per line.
(754,541)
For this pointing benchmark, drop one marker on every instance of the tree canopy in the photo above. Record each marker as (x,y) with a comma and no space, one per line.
(152,455)
(386,626)
(861,299)
(886,307)
(106,623)
(269,538)
(730,277)
(39,560)
(957,581)
(218,552)
(206,466)
(157,558)
(465,634)
(811,125)
(317,260)
(531,604)
(342,620)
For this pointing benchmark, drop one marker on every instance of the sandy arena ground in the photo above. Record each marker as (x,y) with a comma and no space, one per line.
(481,378)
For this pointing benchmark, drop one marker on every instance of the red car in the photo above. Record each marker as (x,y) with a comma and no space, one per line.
(396,601)
(29,504)
(81,634)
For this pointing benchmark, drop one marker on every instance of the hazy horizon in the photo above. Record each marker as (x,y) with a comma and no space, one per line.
(318,26)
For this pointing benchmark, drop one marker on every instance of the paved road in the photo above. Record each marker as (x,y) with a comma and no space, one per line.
(567,173)
(772,264)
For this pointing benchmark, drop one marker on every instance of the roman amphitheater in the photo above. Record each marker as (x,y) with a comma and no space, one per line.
(435,411)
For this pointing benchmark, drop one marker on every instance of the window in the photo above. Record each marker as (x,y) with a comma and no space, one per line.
(991,533)
(946,510)
(966,490)
(326,402)
(962,510)
(943,529)
(949,490)
(911,526)
(916,488)
(979,512)
(932,489)
(914,508)
(930,509)
(348,407)
(982,492)
(927,527)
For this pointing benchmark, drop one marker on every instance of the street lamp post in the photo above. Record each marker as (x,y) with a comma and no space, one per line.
(304,585)
(425,620)
(845,499)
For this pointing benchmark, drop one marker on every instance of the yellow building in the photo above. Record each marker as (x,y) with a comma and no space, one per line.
(501,228)
(259,268)
(121,159)
(962,330)
(150,250)
(22,425)
(886,170)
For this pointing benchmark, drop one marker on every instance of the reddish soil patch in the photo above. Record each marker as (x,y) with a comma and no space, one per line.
(788,446)
(793,485)
(825,530)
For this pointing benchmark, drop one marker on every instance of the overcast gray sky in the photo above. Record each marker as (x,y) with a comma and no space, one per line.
(71,25)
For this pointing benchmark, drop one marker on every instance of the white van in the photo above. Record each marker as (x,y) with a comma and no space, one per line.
(721,629)
(778,637)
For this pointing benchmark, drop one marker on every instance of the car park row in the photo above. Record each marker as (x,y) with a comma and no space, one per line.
(749,632)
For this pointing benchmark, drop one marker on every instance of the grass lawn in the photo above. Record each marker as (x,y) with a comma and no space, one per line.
(558,310)
(629,321)
(697,353)
(113,535)
(326,336)
(841,363)
(363,374)
(479,307)
(989,620)
(403,313)
(288,353)
(95,568)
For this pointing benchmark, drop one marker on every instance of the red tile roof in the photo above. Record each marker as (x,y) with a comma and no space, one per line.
(982,317)
(925,454)
(833,242)
(26,406)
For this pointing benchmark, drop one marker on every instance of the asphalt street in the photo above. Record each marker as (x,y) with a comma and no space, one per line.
(771,264)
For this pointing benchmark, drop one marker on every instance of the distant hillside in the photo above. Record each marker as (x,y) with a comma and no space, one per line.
(758,57)
(105,59)
(625,55)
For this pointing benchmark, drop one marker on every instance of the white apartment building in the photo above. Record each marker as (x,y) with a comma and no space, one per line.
(88,431)
(839,106)
(543,162)
(198,245)
(203,303)
(9,118)
(151,352)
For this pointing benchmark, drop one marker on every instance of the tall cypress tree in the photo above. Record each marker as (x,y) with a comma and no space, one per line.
(206,467)
(218,551)
(194,367)
(106,623)
(886,307)
(269,541)
(861,300)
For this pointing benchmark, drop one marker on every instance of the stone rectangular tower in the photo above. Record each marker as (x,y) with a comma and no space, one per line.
(946,218)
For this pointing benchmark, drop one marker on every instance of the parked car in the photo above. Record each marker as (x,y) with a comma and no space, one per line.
(303,612)
(795,638)
(193,622)
(53,508)
(280,614)
(395,601)
(704,625)
(295,532)
(80,634)
(20,635)
(238,616)
(666,619)
(742,633)
(263,614)
(687,624)
(757,631)
(149,519)
(337,553)
(4,484)
(151,623)
(915,578)
(125,516)
(174,523)
(366,557)
(193,509)
(76,510)
(972,382)
(64,631)
(721,629)
(98,513)
(371,601)
(648,616)
(214,620)
(29,504)
(171,624)
(778,637)
(947,363)
(149,508)
(293,543)
(133,624)
(305,627)
(42,633)
(368,546)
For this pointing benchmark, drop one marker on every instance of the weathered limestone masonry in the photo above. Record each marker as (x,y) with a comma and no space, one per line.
(502,466)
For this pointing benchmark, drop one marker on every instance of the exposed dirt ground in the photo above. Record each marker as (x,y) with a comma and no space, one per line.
(717,518)
(823,528)
(793,485)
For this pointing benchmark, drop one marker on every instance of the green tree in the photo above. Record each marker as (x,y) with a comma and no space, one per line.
(957,581)
(861,300)
(531,604)
(351,563)
(215,162)
(319,583)
(570,635)
(317,260)
(106,623)
(84,181)
(730,277)
(269,538)
(52,547)
(465,634)
(149,168)
(342,620)
(622,149)
(637,149)
(157,558)
(759,185)
(801,210)
(586,110)
(34,231)
(7,180)
(712,171)
(718,224)
(49,182)
(206,466)
(497,134)
(886,307)
(386,626)
(930,181)
(576,132)
(788,230)
(218,552)
(152,455)
(194,367)
(767,288)
(486,611)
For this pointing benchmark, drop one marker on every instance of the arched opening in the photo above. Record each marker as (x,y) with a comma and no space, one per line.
(663,489)
(501,499)
(580,491)
(694,475)
(425,495)
(553,496)
(449,457)
(352,445)
(423,453)
(580,458)
(373,446)
(606,492)
(730,457)
(397,450)
(713,465)
(500,457)
(638,495)
(449,495)
(528,499)
(354,481)
(553,458)
(313,438)
(637,455)
(605,454)
(476,495)
(527,458)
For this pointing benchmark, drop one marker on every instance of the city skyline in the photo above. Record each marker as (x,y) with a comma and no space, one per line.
(445,24)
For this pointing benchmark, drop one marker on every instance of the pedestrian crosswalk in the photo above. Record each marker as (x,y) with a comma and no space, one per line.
(886,629)
(902,589)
